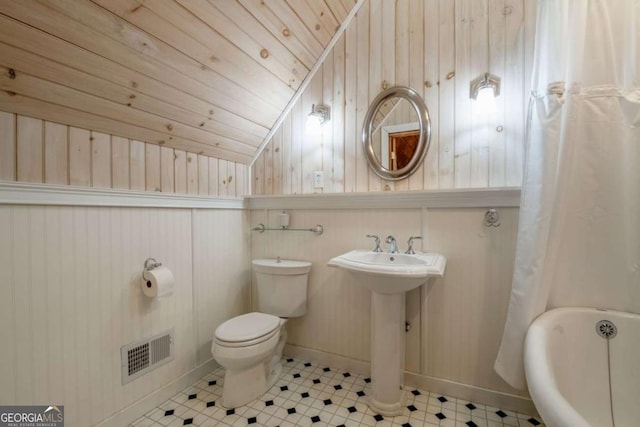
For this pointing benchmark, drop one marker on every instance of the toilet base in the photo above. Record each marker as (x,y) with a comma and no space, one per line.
(244,386)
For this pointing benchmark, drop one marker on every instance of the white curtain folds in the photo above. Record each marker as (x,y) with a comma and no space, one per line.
(579,231)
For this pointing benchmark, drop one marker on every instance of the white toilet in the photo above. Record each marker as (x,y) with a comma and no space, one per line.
(249,346)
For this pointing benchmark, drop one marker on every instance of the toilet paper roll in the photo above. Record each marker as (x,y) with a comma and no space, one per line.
(158,283)
(284,220)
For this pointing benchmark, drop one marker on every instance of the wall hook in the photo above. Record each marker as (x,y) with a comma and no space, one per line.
(491,218)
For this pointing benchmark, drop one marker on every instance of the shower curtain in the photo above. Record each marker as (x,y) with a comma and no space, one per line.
(579,231)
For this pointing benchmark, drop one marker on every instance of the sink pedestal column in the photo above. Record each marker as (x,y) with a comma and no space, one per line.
(387,353)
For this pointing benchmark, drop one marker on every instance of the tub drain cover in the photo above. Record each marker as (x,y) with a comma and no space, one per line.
(606,329)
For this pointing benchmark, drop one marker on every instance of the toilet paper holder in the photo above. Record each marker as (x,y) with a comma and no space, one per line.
(150,264)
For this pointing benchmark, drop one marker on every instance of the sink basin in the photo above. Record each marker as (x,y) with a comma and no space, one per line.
(388,273)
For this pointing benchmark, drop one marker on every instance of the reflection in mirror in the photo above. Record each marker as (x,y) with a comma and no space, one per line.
(396,133)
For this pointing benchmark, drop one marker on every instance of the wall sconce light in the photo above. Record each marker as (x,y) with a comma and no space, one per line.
(319,115)
(486,84)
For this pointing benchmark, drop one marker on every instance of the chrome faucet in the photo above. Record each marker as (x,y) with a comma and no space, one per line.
(393,246)
(377,241)
(410,250)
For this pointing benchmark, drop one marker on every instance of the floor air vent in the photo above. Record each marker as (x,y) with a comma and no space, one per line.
(144,356)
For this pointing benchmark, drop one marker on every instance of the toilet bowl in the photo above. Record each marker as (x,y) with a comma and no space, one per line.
(249,347)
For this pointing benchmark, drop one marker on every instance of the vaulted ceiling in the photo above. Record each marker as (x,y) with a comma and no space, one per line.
(207,76)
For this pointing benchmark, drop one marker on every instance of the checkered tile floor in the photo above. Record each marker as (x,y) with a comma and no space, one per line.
(310,395)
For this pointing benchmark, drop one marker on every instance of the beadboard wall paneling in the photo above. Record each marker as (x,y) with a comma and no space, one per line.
(33,150)
(436,47)
(208,77)
(222,271)
(455,321)
(69,277)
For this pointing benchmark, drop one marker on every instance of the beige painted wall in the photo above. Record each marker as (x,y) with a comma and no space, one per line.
(456,321)
(437,47)
(69,280)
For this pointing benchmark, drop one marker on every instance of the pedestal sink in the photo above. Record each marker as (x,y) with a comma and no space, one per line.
(388,276)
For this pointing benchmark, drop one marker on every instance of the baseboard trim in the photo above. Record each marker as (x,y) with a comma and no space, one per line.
(140,407)
(484,396)
(359,367)
(472,393)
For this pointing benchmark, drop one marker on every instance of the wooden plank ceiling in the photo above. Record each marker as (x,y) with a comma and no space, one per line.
(206,76)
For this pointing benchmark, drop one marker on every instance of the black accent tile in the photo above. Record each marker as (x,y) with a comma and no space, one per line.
(470,406)
(361,393)
(441,416)
(268,403)
(412,408)
(289,360)
(210,404)
(169,412)
(500,413)
(212,382)
(341,425)
(231,411)
(187,421)
(367,380)
(337,387)
(416,392)
(304,395)
(291,411)
(471,424)
(378,417)
(252,420)
(534,421)
(296,375)
(352,409)
(316,381)
(406,425)
(284,388)
(193,396)
(326,369)
(315,419)
(346,375)
(442,399)
(327,402)
(307,364)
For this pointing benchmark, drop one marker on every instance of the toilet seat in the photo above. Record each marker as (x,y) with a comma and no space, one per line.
(247,329)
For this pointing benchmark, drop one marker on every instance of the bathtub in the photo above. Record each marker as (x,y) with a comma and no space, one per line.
(583,367)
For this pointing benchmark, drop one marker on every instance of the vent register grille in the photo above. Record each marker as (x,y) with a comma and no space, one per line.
(141,357)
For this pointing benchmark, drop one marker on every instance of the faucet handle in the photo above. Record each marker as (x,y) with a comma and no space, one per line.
(410,250)
(377,241)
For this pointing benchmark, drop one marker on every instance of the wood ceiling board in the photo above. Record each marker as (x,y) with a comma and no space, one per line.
(233,22)
(23,61)
(281,31)
(31,107)
(317,18)
(39,42)
(338,9)
(176,27)
(44,90)
(62,26)
(295,25)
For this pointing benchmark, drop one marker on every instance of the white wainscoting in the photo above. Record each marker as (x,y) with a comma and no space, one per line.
(456,322)
(70,299)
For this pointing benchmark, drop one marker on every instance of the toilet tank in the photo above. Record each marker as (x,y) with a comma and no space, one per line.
(281,286)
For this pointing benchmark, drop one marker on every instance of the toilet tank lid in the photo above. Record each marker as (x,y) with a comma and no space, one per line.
(281,266)
(247,327)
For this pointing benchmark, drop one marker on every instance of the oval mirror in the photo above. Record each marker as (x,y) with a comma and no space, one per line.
(396,133)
